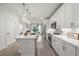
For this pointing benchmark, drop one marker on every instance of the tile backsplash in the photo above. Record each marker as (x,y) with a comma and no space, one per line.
(67,30)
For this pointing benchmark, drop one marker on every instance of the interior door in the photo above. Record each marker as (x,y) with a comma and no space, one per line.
(10,31)
(2,32)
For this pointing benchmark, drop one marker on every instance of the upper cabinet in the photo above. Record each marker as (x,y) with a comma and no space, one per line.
(67,14)
(71,14)
(76,14)
(60,17)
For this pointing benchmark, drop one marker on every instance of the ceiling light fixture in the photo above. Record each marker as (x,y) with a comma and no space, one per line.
(26,14)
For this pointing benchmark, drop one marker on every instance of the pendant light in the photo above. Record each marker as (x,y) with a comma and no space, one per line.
(26,14)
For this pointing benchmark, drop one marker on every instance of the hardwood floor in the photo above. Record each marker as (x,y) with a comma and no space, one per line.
(11,50)
(43,49)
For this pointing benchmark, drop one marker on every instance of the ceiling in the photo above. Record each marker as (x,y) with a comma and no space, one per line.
(38,10)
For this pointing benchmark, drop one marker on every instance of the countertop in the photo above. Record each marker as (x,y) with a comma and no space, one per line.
(26,37)
(69,40)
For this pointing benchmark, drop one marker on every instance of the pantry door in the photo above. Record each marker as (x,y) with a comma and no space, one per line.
(10,31)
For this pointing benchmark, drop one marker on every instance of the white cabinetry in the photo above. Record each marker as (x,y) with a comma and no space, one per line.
(68,49)
(76,14)
(62,47)
(64,15)
(57,45)
(77,51)
(54,42)
(59,16)
(27,46)
(67,13)
(71,13)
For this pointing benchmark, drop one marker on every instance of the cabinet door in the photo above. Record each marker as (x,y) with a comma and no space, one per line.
(76,14)
(71,14)
(67,15)
(54,43)
(77,51)
(57,45)
(63,48)
(60,16)
(68,49)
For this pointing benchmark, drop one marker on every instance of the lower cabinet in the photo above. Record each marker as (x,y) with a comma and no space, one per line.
(63,48)
(27,47)
(54,42)
(77,51)
(68,49)
(57,44)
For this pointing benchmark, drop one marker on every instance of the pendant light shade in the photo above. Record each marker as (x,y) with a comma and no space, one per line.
(26,14)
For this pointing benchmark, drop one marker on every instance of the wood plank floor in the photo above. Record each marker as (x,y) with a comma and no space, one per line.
(43,49)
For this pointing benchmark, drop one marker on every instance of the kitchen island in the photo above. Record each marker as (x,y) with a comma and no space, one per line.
(27,44)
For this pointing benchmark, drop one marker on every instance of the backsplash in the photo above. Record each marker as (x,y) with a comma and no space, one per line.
(66,30)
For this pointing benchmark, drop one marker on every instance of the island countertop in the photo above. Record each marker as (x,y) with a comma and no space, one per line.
(28,37)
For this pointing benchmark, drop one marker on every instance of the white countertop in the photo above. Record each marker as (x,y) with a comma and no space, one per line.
(28,37)
(70,40)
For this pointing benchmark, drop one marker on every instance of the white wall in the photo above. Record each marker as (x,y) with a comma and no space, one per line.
(4,16)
